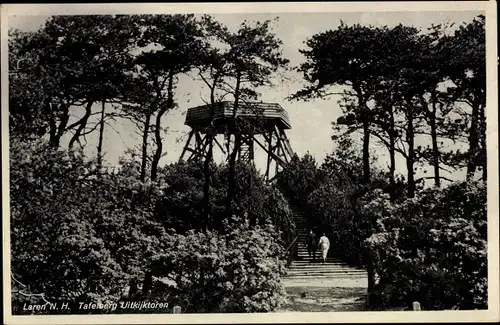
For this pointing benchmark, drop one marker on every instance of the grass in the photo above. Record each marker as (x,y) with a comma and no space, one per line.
(318,299)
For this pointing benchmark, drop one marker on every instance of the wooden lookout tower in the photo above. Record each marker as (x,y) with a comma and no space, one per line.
(256,125)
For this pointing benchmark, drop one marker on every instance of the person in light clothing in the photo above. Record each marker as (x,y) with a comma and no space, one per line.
(324,246)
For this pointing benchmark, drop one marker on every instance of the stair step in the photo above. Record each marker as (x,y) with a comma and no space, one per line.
(309,261)
(306,278)
(317,264)
(324,272)
(306,260)
(334,272)
(328,260)
(361,283)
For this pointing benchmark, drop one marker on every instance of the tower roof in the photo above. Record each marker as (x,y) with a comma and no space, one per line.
(263,114)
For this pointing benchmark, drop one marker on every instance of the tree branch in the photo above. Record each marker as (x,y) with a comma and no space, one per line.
(433,177)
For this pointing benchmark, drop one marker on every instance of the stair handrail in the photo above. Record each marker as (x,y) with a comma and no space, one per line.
(293,241)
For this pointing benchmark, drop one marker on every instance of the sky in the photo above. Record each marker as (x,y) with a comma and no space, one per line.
(311,121)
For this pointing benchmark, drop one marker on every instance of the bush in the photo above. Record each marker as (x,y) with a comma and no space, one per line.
(78,235)
(236,272)
(181,204)
(75,235)
(335,208)
(330,195)
(432,248)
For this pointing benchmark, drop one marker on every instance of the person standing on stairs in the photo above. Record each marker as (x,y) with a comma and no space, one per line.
(311,245)
(324,246)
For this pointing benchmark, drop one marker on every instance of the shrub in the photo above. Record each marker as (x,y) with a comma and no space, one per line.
(181,204)
(236,272)
(432,248)
(81,236)
(75,235)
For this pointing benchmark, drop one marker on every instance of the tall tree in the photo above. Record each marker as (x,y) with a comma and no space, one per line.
(466,57)
(26,92)
(176,42)
(388,129)
(350,56)
(39,87)
(433,100)
(251,56)
(414,76)
(138,106)
(118,37)
(79,61)
(211,72)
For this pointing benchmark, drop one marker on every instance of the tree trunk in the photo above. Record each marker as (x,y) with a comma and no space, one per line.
(147,284)
(392,167)
(101,135)
(63,122)
(144,156)
(366,132)
(56,131)
(482,135)
(473,143)
(410,161)
(159,146)
(133,289)
(237,140)
(435,147)
(211,133)
(206,185)
(206,164)
(82,123)
(232,171)
(392,154)
(366,150)
(53,140)
(161,112)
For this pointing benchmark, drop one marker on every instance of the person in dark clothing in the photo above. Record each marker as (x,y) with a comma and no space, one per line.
(311,244)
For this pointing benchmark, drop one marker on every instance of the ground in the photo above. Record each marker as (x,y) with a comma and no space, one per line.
(324,299)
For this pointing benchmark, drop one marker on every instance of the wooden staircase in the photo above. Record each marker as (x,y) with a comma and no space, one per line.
(333,273)
(246,151)
(317,287)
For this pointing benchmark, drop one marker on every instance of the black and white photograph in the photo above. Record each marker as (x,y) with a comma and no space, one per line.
(212,160)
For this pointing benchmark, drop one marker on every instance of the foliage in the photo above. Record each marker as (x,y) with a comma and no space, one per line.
(75,235)
(335,208)
(300,178)
(181,206)
(236,272)
(240,62)
(467,71)
(432,248)
(81,234)
(176,43)
(247,57)
(67,66)
(330,196)
(397,83)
